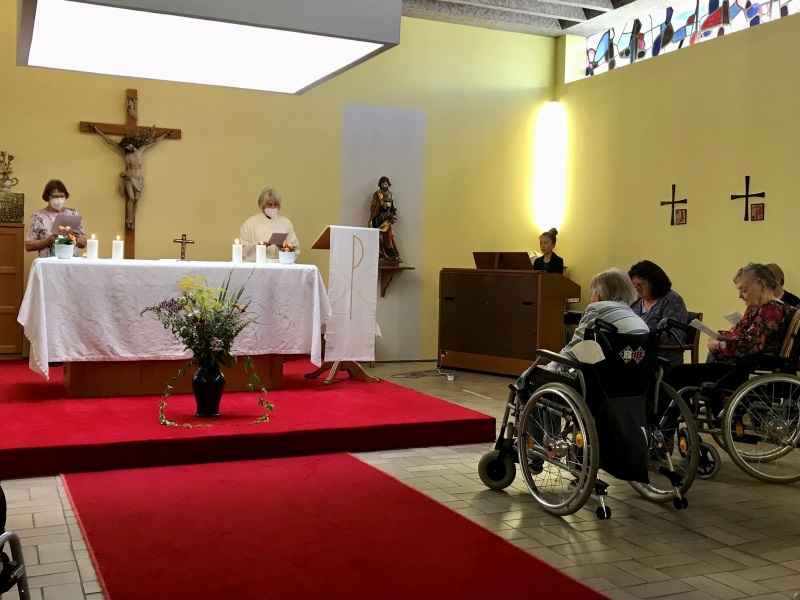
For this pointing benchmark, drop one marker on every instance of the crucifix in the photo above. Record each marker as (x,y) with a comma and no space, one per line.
(183,241)
(747,195)
(135,140)
(672,204)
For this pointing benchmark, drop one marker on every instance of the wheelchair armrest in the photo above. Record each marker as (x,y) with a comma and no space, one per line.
(559,358)
(664,362)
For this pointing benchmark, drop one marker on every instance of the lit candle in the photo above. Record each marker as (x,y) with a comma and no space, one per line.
(237,251)
(117,249)
(261,253)
(91,248)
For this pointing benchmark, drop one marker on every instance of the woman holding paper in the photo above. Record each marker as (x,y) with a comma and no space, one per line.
(261,226)
(760,331)
(39,237)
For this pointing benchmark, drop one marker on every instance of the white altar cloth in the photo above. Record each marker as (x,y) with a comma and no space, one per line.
(89,310)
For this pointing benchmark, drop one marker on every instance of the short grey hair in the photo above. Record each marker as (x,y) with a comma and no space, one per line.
(757,273)
(266,195)
(613,285)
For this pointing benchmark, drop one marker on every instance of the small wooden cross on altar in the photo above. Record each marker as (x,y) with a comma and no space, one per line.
(747,195)
(134,142)
(183,241)
(672,204)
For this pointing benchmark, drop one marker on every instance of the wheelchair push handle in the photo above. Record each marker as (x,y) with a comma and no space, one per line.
(669,323)
(600,325)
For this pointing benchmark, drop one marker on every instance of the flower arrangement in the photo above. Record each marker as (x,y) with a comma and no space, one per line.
(68,237)
(287,247)
(5,168)
(207,321)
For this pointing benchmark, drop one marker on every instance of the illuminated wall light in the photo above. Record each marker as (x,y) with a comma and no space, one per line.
(549,168)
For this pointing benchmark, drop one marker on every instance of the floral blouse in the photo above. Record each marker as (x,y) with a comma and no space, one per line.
(40,226)
(761,331)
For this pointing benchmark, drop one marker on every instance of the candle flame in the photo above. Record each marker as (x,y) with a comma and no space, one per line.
(117,238)
(92,236)
(236,241)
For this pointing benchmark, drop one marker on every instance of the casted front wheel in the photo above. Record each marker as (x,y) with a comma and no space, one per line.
(497,473)
(709,461)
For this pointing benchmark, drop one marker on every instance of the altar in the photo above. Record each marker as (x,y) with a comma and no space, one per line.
(87,314)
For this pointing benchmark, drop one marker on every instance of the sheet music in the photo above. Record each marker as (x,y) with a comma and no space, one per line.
(733,317)
(705,329)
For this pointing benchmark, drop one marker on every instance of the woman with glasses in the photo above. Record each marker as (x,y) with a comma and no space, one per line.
(38,238)
(656,301)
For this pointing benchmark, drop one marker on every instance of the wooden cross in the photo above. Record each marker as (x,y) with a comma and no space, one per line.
(131,124)
(747,195)
(672,204)
(183,241)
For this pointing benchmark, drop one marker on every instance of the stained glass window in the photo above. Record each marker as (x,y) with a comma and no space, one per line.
(683,24)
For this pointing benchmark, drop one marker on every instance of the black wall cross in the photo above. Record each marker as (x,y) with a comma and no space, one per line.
(747,195)
(672,204)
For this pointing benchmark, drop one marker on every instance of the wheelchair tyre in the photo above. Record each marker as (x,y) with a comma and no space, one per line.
(709,462)
(561,468)
(683,448)
(761,426)
(497,474)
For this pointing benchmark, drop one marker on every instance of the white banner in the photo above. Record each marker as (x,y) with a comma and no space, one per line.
(353,294)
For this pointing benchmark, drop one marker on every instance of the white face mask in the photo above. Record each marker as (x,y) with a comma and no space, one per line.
(271,212)
(57,203)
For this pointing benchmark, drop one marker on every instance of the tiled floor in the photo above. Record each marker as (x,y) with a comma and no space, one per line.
(739,538)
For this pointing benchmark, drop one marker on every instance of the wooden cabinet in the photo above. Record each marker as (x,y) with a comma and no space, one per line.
(11,276)
(495,320)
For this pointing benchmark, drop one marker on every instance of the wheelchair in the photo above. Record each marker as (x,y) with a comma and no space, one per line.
(753,414)
(619,416)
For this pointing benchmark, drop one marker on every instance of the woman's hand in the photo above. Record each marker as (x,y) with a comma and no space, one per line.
(715,345)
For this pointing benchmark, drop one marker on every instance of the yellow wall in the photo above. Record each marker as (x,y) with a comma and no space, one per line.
(702,117)
(479,88)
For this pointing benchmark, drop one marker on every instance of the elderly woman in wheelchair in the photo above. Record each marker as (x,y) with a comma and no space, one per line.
(748,396)
(600,403)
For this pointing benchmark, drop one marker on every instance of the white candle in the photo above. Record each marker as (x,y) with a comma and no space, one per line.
(117,249)
(261,253)
(91,248)
(237,251)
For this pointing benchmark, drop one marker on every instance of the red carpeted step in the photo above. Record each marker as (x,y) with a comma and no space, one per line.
(46,433)
(316,527)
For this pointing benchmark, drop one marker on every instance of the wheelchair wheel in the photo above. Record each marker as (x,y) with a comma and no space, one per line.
(761,426)
(673,439)
(710,462)
(497,474)
(558,449)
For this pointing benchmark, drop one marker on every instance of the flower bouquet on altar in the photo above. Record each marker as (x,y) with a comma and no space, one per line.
(287,253)
(65,242)
(207,320)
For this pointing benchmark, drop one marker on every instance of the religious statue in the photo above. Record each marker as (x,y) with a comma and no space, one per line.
(132,146)
(383,215)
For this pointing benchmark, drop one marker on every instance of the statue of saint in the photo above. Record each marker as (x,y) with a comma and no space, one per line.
(132,147)
(382,215)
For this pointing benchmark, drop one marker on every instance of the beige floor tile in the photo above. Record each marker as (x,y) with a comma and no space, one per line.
(70,591)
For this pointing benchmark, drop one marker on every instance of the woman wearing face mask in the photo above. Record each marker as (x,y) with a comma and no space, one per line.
(549,261)
(38,237)
(260,227)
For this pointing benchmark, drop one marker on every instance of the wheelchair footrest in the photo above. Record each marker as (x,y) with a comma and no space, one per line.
(600,487)
(675,479)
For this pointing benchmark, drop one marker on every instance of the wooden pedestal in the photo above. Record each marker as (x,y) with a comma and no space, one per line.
(150,377)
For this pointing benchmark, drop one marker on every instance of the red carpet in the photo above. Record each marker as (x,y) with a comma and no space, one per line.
(45,433)
(318,527)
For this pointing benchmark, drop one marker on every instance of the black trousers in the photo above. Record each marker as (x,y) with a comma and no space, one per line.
(3,510)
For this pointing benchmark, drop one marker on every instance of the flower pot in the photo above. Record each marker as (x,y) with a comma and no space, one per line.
(64,250)
(287,258)
(208,383)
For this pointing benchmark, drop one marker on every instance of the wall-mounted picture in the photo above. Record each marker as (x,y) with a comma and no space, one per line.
(757,212)
(680,216)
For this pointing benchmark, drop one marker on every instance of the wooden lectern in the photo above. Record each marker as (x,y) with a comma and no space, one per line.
(353,368)
(495,320)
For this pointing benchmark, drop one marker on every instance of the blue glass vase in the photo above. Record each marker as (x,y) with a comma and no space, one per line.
(208,383)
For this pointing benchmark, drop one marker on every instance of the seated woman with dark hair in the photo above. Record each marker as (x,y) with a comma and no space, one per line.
(657,301)
(760,332)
